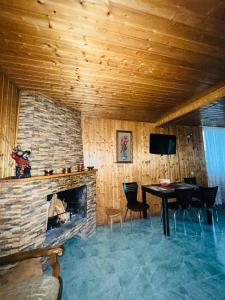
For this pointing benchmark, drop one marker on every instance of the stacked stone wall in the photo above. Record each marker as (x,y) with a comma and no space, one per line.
(51,131)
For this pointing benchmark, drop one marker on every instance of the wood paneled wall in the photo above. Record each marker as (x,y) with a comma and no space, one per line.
(99,140)
(8,123)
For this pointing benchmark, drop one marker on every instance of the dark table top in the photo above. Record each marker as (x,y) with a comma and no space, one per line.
(167,191)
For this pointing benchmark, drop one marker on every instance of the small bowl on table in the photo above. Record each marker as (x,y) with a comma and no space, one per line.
(90,168)
(164,182)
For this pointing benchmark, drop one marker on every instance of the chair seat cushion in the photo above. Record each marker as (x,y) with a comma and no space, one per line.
(20,272)
(36,288)
(138,206)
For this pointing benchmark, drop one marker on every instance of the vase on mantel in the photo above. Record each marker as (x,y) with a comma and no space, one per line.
(80,167)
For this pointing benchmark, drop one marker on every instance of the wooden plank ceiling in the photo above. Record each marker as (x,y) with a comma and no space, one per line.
(122,59)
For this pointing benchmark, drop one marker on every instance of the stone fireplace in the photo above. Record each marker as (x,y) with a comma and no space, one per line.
(24,210)
(53,133)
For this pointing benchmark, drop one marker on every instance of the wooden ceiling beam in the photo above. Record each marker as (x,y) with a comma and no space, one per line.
(213,94)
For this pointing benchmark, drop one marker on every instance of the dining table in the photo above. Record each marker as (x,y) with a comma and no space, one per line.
(169,192)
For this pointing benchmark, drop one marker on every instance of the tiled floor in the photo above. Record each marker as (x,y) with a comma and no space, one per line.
(143,264)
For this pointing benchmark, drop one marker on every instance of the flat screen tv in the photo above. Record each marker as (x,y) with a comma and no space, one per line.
(163,144)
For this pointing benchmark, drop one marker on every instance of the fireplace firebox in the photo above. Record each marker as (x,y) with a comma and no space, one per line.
(65,208)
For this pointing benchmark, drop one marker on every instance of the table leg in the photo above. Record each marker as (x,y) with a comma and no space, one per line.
(166,225)
(209,216)
(145,215)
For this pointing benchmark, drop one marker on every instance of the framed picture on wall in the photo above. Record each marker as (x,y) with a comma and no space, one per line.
(124,146)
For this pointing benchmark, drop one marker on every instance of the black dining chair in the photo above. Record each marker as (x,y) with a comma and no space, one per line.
(182,203)
(131,191)
(207,201)
(190,180)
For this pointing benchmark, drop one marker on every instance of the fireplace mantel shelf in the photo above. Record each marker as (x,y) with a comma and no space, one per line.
(43,177)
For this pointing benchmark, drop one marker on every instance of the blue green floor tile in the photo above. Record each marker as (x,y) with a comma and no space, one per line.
(141,263)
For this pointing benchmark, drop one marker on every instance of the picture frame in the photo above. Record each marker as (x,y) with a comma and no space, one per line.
(124,146)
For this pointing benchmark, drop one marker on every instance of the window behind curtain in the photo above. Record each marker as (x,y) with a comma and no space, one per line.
(214,145)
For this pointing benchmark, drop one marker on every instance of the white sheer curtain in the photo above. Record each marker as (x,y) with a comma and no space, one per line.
(214,144)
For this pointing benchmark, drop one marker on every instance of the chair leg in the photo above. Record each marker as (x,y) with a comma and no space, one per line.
(210,217)
(121,221)
(183,215)
(185,231)
(131,223)
(175,220)
(161,215)
(111,223)
(140,215)
(189,216)
(125,215)
(199,217)
(149,215)
(217,218)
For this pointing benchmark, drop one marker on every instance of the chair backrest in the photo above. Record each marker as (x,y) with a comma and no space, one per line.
(208,195)
(190,180)
(130,190)
(184,197)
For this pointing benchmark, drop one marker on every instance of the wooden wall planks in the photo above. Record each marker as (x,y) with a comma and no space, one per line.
(99,140)
(9,101)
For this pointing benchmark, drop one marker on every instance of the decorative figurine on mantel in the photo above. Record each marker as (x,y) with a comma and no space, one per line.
(67,168)
(22,162)
(80,167)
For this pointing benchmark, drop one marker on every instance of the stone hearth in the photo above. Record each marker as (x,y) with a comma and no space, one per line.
(23,210)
